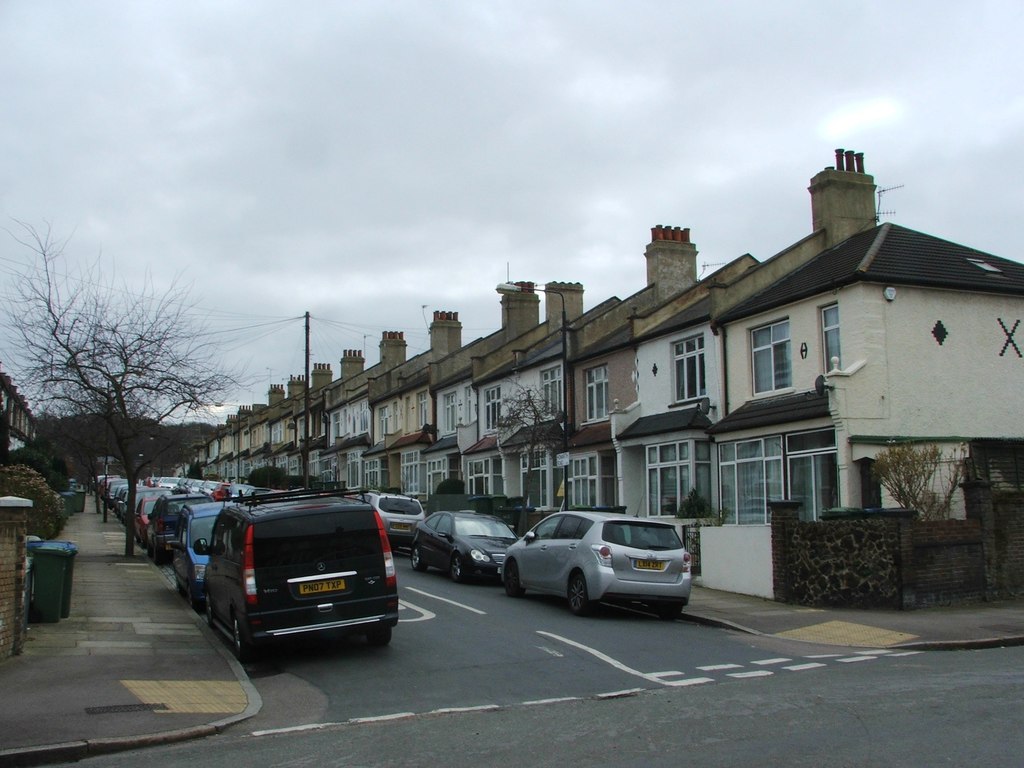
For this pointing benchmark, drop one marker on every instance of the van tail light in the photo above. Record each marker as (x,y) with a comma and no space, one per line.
(390,576)
(249,567)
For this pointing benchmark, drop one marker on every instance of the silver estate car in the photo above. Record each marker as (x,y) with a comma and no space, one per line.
(589,557)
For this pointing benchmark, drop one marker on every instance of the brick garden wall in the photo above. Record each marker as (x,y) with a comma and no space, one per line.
(946,564)
(13,522)
(1007,544)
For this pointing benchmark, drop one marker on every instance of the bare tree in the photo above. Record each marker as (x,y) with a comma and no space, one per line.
(531,425)
(133,357)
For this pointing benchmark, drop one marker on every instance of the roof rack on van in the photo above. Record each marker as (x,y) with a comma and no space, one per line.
(299,493)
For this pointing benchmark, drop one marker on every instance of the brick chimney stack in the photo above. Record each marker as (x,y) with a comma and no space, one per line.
(843,199)
(296,386)
(392,349)
(352,363)
(571,294)
(520,311)
(445,334)
(671,261)
(276,394)
(321,375)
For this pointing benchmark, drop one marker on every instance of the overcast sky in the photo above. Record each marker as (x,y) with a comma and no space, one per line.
(372,162)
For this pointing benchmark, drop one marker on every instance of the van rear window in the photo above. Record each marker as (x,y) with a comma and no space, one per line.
(305,539)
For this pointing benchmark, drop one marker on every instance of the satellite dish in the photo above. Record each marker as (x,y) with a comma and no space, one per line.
(704,405)
(820,386)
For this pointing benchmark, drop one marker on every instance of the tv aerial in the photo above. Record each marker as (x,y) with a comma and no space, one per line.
(879,213)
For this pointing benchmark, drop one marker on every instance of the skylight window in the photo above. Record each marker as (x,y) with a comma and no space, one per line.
(985,266)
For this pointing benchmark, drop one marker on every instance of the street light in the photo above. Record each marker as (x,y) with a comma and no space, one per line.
(562,458)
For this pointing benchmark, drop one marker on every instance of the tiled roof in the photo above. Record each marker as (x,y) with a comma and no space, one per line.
(672,421)
(592,435)
(892,255)
(444,445)
(800,406)
(488,443)
(360,440)
(418,437)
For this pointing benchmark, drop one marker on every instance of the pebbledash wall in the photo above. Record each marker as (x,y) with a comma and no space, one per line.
(13,524)
(902,563)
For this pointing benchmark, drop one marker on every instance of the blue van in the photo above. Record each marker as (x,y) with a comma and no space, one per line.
(191,547)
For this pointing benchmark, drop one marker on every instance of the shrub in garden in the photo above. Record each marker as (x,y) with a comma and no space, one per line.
(46,517)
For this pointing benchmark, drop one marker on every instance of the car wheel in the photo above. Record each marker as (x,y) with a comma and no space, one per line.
(379,636)
(510,577)
(669,611)
(455,571)
(243,650)
(579,603)
(417,560)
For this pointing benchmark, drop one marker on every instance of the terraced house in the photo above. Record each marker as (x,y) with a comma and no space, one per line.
(764,381)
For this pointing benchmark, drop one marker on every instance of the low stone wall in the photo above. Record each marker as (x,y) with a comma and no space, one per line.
(877,563)
(845,563)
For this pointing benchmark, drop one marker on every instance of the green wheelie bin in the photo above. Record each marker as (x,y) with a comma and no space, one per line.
(53,564)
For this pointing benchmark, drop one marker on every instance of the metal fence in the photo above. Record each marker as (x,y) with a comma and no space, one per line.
(691,540)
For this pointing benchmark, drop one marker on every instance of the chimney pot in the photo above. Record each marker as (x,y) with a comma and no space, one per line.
(850,163)
(860,162)
(840,165)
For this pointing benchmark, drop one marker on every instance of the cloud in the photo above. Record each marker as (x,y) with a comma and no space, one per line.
(854,120)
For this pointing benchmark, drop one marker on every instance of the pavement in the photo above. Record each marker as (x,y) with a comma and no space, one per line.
(133,665)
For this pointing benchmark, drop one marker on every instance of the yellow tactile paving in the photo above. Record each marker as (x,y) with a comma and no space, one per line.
(191,696)
(846,633)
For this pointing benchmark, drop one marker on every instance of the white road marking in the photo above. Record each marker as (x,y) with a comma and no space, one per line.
(454,710)
(755,673)
(653,677)
(689,681)
(766,662)
(802,667)
(855,659)
(383,718)
(550,701)
(904,653)
(719,667)
(295,729)
(446,600)
(424,614)
(552,651)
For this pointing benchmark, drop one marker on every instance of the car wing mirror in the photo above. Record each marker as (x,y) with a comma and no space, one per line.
(201,547)
(529,536)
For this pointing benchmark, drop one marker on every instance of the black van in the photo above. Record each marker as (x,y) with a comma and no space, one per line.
(284,564)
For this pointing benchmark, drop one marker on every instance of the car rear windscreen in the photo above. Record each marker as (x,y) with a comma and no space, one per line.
(400,506)
(641,535)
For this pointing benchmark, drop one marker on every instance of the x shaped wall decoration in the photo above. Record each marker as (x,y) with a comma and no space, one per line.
(1009,338)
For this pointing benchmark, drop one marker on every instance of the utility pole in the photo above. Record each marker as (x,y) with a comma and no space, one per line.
(305,416)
